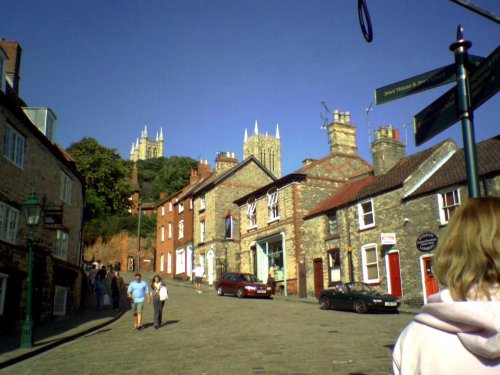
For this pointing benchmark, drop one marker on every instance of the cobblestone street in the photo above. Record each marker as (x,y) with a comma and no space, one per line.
(207,334)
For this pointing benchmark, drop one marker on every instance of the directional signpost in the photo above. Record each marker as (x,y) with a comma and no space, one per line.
(484,82)
(471,91)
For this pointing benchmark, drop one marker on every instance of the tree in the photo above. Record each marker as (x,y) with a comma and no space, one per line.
(107,178)
(173,176)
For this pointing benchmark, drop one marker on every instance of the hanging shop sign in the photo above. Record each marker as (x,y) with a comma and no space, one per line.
(53,218)
(426,242)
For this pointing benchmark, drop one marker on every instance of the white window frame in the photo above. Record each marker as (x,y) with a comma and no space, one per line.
(169,206)
(61,245)
(252,213)
(14,146)
(365,263)
(181,207)
(445,208)
(272,205)
(162,210)
(169,262)
(162,262)
(170,230)
(202,202)
(66,185)
(162,233)
(363,214)
(330,222)
(191,204)
(9,222)
(60,300)
(3,291)
(181,229)
(180,261)
(231,229)
(203,231)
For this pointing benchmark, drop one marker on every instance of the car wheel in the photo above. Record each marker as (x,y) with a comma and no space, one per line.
(324,303)
(360,306)
(240,293)
(220,292)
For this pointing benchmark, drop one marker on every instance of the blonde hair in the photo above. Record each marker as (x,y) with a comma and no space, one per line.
(468,257)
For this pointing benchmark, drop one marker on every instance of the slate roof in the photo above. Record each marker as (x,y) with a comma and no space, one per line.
(454,171)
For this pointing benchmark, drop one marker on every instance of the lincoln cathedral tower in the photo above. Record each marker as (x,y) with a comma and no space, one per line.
(144,148)
(265,148)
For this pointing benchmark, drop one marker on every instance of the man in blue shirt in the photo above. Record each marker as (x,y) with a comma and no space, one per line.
(138,290)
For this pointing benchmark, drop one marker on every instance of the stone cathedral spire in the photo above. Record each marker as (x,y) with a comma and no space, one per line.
(265,148)
(145,148)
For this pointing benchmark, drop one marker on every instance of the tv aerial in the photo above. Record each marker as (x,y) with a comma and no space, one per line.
(324,116)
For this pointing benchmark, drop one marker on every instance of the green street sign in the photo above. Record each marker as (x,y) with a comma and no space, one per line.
(421,82)
(484,82)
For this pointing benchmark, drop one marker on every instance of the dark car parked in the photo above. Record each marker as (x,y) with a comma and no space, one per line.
(359,297)
(242,285)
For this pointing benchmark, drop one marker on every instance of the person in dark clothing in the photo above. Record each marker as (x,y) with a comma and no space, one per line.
(116,289)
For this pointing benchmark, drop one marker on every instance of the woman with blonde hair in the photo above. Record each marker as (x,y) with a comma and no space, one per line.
(458,331)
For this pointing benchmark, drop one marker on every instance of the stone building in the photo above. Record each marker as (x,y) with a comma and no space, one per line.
(145,148)
(265,148)
(216,224)
(174,240)
(271,217)
(32,162)
(381,228)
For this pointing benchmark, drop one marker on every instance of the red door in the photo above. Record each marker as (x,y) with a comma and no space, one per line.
(395,274)
(431,285)
(318,276)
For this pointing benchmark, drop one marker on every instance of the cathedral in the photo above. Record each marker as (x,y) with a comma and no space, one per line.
(144,148)
(265,148)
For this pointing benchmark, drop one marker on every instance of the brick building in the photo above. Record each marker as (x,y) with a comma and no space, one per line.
(216,224)
(271,217)
(381,228)
(174,240)
(31,161)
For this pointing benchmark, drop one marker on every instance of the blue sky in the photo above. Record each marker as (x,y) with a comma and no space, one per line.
(206,70)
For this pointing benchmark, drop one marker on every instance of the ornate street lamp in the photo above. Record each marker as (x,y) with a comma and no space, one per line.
(32,210)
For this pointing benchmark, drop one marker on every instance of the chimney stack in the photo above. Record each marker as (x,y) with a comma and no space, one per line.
(224,161)
(13,51)
(387,149)
(341,134)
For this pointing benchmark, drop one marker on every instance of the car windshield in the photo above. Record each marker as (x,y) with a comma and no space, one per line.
(250,278)
(360,288)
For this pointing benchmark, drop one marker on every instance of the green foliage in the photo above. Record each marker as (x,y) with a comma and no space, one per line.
(112,225)
(107,178)
(173,176)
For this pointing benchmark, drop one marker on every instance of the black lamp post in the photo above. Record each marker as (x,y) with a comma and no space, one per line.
(32,210)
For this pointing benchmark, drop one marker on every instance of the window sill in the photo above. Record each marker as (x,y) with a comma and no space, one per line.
(364,229)
(270,221)
(332,237)
(250,229)
(200,244)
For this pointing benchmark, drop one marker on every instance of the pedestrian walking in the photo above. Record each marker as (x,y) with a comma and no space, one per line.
(92,276)
(116,289)
(457,331)
(99,291)
(138,291)
(158,295)
(270,280)
(198,276)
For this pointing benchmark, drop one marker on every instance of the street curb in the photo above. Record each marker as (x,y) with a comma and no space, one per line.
(58,342)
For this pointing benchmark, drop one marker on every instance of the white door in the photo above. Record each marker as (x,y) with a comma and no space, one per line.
(210,267)
(60,299)
(262,264)
(189,260)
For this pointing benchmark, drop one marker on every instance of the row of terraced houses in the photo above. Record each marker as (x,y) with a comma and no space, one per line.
(336,219)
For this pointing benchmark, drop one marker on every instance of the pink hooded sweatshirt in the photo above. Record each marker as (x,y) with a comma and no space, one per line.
(449,337)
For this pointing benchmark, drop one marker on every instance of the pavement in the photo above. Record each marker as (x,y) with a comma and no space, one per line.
(64,329)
